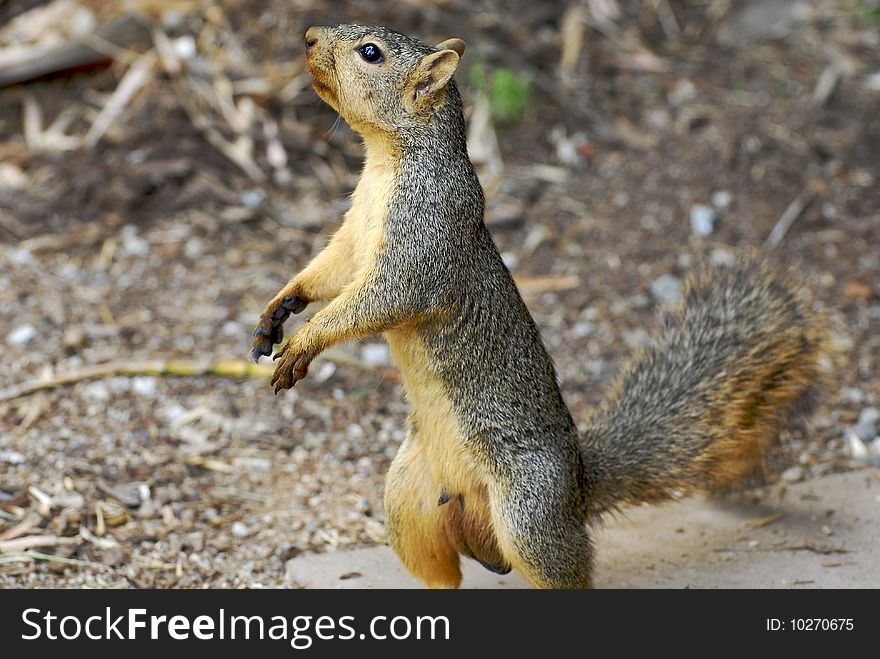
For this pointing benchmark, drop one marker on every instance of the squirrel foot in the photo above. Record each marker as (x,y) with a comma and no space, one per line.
(293,364)
(270,329)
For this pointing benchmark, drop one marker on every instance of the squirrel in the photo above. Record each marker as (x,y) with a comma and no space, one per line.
(493,466)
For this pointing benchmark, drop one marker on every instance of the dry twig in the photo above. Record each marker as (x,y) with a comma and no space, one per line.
(229,368)
(135,78)
(31,541)
(790,215)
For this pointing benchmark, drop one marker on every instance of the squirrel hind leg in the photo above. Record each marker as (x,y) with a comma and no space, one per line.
(416,527)
(541,534)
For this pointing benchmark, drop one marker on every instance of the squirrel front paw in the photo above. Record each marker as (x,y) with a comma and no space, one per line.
(293,361)
(270,329)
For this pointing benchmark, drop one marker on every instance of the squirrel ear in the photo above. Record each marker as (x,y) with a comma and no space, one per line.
(452,44)
(430,77)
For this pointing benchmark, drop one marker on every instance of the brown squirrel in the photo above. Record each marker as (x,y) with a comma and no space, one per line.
(493,466)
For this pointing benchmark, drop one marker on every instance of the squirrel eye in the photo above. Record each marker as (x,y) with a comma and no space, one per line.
(371,53)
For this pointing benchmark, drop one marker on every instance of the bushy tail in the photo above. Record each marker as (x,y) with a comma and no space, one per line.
(701,405)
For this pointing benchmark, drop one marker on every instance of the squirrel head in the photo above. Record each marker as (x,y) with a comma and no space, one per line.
(382,81)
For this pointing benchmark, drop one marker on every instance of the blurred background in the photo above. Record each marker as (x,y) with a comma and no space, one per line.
(165,167)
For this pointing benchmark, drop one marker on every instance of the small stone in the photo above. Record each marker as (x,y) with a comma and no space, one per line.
(793,474)
(658,118)
(194,248)
(703,219)
(683,92)
(852,395)
(240,530)
(210,514)
(144,386)
(571,150)
(196,540)
(253,198)
(721,199)
(74,337)
(96,391)
(184,47)
(324,372)
(11,457)
(872,82)
(592,313)
(132,244)
(375,354)
(11,176)
(21,335)
(666,289)
(826,530)
(173,412)
(859,450)
(19,255)
(866,426)
(199,561)
(865,452)
(582,329)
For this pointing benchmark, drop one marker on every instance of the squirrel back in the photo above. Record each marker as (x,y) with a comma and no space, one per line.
(493,466)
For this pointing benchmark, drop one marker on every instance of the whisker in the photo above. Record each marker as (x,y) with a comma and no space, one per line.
(334,128)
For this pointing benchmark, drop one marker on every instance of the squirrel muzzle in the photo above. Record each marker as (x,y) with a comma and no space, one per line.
(319,60)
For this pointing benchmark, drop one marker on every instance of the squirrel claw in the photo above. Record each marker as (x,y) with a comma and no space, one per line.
(262,345)
(492,567)
(270,330)
(292,366)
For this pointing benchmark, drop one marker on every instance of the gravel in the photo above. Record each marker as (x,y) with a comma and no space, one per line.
(866,426)
(703,219)
(21,335)
(666,289)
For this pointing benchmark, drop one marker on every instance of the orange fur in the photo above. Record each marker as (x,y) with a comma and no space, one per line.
(414,518)
(436,448)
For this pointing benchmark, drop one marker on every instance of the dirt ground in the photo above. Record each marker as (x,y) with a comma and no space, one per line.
(154,245)
(819,533)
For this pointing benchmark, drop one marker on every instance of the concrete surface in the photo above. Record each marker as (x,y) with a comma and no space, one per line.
(823,533)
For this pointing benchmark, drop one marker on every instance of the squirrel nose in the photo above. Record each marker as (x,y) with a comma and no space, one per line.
(310,43)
